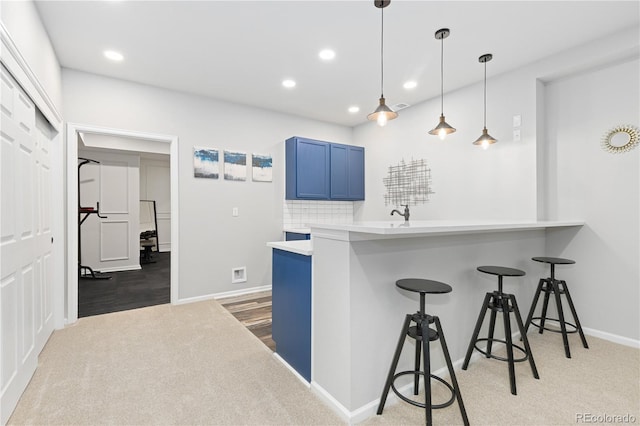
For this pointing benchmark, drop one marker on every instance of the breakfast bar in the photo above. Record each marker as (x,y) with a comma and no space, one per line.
(357,310)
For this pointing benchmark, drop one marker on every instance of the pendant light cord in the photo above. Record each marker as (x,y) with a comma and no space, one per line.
(485,94)
(382,55)
(442,76)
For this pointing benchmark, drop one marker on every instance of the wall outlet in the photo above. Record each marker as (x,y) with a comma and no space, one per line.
(516,135)
(234,212)
(239,275)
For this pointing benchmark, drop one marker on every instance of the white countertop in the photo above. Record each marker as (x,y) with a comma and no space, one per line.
(303,247)
(401,229)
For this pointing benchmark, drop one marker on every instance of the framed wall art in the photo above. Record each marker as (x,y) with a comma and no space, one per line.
(261,167)
(206,163)
(235,165)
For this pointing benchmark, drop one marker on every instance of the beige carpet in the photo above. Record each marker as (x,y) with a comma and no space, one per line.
(196,364)
(181,365)
(601,380)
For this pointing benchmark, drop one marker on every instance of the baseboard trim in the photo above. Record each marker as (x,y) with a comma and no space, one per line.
(370,409)
(119,269)
(244,291)
(290,368)
(615,338)
(223,295)
(366,411)
(331,402)
(194,299)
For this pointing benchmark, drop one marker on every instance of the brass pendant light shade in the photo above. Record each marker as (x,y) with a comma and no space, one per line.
(485,139)
(383,113)
(443,128)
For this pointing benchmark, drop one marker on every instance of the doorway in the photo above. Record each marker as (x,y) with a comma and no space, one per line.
(133,143)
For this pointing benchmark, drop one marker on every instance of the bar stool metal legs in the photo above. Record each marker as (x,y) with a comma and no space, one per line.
(506,304)
(556,287)
(423,334)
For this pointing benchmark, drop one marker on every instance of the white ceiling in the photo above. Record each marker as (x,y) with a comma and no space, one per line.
(240,51)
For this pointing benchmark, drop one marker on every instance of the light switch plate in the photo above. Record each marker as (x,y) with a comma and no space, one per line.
(234,212)
(517,120)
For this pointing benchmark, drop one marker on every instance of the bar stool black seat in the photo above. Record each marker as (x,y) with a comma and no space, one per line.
(556,287)
(498,301)
(422,321)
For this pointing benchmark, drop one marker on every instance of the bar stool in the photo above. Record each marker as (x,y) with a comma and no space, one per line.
(498,301)
(418,332)
(558,288)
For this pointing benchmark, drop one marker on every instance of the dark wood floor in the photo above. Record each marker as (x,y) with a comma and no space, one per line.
(127,290)
(254,312)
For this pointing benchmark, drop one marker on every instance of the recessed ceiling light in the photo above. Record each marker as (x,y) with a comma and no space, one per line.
(289,84)
(410,84)
(354,109)
(327,54)
(113,55)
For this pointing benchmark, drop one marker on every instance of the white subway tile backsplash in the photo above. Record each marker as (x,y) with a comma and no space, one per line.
(302,213)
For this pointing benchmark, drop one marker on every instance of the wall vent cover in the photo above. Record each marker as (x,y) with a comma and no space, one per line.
(239,275)
(398,107)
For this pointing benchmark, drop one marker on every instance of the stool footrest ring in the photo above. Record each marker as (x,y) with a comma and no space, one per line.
(499,358)
(414,331)
(553,330)
(419,404)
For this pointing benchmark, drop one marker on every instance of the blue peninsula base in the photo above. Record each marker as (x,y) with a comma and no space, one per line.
(291,309)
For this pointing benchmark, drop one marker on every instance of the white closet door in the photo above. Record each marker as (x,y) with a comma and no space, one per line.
(26,319)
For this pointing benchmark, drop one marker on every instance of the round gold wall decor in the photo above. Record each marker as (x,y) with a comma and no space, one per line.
(621,139)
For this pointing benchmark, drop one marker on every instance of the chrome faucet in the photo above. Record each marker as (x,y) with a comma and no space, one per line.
(405,214)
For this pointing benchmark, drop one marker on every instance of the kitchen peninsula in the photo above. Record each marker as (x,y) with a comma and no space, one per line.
(357,310)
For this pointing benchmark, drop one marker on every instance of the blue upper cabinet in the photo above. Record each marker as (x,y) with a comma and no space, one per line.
(317,170)
(308,168)
(347,172)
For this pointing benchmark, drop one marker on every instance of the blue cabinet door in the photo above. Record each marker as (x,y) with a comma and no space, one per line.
(307,169)
(339,172)
(356,172)
(347,172)
(318,170)
(296,236)
(291,309)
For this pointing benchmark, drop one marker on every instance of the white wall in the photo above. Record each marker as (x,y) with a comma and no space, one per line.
(22,21)
(119,143)
(469,182)
(504,181)
(155,184)
(600,187)
(557,170)
(212,242)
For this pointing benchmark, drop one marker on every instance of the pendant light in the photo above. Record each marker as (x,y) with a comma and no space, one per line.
(442,129)
(485,139)
(383,113)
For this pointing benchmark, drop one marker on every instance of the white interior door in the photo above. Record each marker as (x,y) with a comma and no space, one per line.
(25,240)
(111,243)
